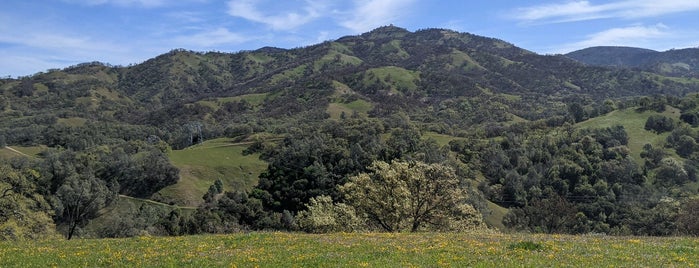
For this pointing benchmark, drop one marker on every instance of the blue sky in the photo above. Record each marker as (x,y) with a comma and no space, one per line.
(38,35)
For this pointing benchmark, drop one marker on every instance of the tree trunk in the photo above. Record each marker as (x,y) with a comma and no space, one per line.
(71,230)
(416,225)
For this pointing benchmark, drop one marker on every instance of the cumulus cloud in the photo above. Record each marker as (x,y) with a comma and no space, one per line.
(369,14)
(285,20)
(585,10)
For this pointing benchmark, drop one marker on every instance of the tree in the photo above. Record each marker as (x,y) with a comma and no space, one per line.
(670,172)
(214,190)
(577,112)
(688,218)
(660,123)
(410,195)
(24,213)
(79,201)
(686,145)
(147,173)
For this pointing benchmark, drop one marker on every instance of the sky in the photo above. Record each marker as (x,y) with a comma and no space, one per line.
(36,35)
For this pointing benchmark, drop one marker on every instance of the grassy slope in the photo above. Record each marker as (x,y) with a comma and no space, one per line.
(336,107)
(202,164)
(360,106)
(396,78)
(633,122)
(497,213)
(441,139)
(6,153)
(356,250)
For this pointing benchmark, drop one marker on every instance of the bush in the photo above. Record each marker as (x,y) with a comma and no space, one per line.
(688,218)
(323,216)
(660,123)
(526,245)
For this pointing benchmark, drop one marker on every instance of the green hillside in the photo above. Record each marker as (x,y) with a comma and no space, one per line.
(634,123)
(201,165)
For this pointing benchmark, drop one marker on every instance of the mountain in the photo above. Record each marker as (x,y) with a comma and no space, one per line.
(445,77)
(676,62)
(266,130)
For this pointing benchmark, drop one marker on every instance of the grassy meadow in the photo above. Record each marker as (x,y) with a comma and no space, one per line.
(201,165)
(634,123)
(357,250)
(19,151)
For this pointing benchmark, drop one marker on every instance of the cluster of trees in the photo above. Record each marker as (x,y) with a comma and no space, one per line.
(66,189)
(316,176)
(585,180)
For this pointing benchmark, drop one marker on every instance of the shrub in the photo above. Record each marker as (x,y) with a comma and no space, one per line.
(324,216)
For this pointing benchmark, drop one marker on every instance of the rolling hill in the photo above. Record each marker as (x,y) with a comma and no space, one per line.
(514,125)
(675,62)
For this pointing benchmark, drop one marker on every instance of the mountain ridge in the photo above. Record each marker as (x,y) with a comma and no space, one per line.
(427,73)
(674,62)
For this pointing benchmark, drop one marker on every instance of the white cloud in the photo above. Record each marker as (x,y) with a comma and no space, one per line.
(357,16)
(23,65)
(125,3)
(288,20)
(208,39)
(55,41)
(635,36)
(322,37)
(369,14)
(585,10)
(186,16)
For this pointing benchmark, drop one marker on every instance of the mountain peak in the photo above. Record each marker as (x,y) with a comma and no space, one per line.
(389,31)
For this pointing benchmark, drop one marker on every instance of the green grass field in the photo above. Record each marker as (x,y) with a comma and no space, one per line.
(357,250)
(441,139)
(201,165)
(20,151)
(360,106)
(634,123)
(395,77)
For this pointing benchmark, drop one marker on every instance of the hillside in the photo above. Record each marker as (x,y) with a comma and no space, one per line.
(676,62)
(201,165)
(401,70)
(254,138)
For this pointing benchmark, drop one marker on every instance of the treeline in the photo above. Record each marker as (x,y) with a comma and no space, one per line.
(67,189)
(307,185)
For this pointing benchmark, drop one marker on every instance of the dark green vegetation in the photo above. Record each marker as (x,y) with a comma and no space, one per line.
(675,62)
(190,143)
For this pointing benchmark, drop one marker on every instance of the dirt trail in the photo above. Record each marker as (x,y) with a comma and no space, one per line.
(156,202)
(17,152)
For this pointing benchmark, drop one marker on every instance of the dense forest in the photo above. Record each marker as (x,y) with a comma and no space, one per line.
(352,132)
